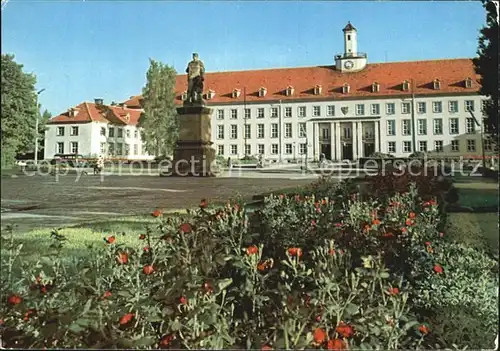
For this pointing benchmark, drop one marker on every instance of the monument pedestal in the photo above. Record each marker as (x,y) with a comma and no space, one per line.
(194,155)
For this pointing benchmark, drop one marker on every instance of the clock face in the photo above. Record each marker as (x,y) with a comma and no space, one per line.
(348,64)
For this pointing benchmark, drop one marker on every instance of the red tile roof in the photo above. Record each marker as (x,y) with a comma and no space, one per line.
(451,73)
(90,112)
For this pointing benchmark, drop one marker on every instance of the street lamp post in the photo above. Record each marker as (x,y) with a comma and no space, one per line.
(36,124)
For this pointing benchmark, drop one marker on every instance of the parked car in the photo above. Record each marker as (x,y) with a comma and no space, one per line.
(70,160)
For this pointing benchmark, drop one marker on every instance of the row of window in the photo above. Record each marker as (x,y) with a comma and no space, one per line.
(261,131)
(437,126)
(73,148)
(390,109)
(289,149)
(119,149)
(60,131)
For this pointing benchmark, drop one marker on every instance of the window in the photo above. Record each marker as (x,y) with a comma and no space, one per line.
(234,113)
(248,149)
(220,114)
(330,110)
(390,108)
(325,133)
(405,107)
(486,126)
(302,111)
(136,134)
(60,131)
(375,109)
(346,88)
(406,127)
(316,111)
(302,130)
(302,149)
(220,150)
(454,126)
(248,113)
(60,148)
(488,146)
(288,130)
(260,131)
(248,131)
(111,132)
(74,131)
(391,127)
(422,146)
(136,149)
(469,105)
(111,149)
(438,145)
(127,149)
(391,147)
(360,109)
(274,112)
(437,84)
(260,149)
(119,133)
(406,146)
(234,131)
(471,145)
(220,131)
(234,149)
(119,148)
(347,132)
(103,131)
(453,106)
(438,126)
(274,130)
(406,85)
(455,146)
(103,148)
(74,147)
(468,83)
(260,112)
(469,125)
(288,112)
(288,149)
(274,149)
(127,133)
(437,106)
(421,107)
(422,126)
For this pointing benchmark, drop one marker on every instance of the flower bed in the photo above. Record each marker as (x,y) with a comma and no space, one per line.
(331,273)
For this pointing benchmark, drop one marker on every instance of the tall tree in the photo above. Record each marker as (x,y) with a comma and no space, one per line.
(486,64)
(19,110)
(159,119)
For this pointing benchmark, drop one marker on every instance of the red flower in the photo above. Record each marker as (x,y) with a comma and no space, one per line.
(344,330)
(166,340)
(146,249)
(266,347)
(142,236)
(157,213)
(28,314)
(409,222)
(43,289)
(376,222)
(338,225)
(203,203)
(441,234)
(236,208)
(318,209)
(403,230)
(412,215)
(148,269)
(110,239)
(208,288)
(252,250)
(186,228)
(295,251)
(106,294)
(14,299)
(183,300)
(318,318)
(336,344)
(122,258)
(331,252)
(282,196)
(319,335)
(438,269)
(427,243)
(423,329)
(126,318)
(313,223)
(388,235)
(393,291)
(297,198)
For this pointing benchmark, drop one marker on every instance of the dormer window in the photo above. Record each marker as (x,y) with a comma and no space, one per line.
(375,87)
(437,84)
(127,117)
(184,96)
(346,88)
(72,112)
(262,92)
(318,89)
(289,90)
(236,93)
(406,85)
(468,83)
(210,94)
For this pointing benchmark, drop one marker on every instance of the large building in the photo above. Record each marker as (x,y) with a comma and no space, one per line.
(346,110)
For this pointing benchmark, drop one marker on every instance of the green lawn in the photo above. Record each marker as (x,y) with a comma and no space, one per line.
(477,194)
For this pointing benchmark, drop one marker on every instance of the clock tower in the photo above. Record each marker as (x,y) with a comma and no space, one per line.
(351,60)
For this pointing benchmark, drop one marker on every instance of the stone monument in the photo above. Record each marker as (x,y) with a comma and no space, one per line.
(194,155)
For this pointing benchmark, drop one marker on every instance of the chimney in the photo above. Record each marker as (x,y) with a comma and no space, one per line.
(99,101)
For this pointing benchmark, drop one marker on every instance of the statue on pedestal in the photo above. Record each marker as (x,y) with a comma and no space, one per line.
(195,76)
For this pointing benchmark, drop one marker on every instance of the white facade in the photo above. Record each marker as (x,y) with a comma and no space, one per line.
(94,138)
(349,129)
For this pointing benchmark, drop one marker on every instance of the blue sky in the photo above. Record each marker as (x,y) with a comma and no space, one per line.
(81,50)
